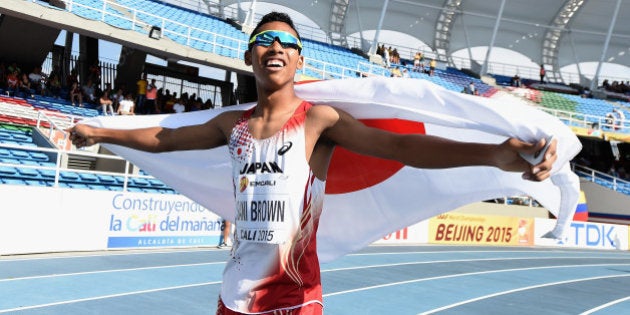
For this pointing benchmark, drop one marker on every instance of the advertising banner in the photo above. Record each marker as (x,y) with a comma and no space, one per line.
(415,234)
(457,228)
(585,235)
(152,220)
(43,219)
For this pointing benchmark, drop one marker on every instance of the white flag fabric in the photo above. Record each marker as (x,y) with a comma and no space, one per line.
(368,198)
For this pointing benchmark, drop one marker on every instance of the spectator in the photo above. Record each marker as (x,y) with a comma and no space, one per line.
(37,79)
(516,81)
(380,50)
(170,99)
(88,91)
(432,66)
(126,106)
(471,89)
(395,56)
(141,93)
(151,102)
(109,90)
(225,234)
(76,94)
(610,120)
(542,74)
(106,104)
(53,85)
(594,130)
(417,61)
(405,73)
(197,105)
(178,107)
(160,100)
(208,104)
(396,72)
(13,82)
(25,85)
(72,78)
(117,98)
(619,120)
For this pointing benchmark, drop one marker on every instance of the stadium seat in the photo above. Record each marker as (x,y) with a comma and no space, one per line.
(13,181)
(5,152)
(139,182)
(88,178)
(8,171)
(47,173)
(38,156)
(28,172)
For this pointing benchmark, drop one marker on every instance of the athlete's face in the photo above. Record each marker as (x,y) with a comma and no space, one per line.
(274,65)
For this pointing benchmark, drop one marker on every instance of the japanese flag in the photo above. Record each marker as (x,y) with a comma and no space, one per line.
(367,198)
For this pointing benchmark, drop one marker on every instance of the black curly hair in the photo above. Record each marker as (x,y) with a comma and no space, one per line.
(275,17)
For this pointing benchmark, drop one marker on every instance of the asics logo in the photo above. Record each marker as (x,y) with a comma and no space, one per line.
(285,148)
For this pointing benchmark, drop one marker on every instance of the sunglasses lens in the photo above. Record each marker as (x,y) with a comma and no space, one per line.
(267,38)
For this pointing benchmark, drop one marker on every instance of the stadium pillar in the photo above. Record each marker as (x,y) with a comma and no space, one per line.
(470,56)
(88,53)
(130,66)
(364,45)
(249,19)
(594,83)
(577,60)
(67,54)
(378,29)
(484,68)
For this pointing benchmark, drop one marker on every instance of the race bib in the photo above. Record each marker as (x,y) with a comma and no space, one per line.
(263,216)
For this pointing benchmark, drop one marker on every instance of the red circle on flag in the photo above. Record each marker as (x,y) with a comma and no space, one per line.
(350,172)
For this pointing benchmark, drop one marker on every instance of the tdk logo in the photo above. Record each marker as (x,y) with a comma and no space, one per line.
(261,168)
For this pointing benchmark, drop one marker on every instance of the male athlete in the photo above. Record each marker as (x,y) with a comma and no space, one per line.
(280,151)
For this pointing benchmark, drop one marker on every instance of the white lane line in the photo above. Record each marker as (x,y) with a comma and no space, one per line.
(523,289)
(58,275)
(603,306)
(108,271)
(465,275)
(466,260)
(108,296)
(324,270)
(554,250)
(73,255)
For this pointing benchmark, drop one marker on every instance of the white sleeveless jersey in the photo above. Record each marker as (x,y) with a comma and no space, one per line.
(273,263)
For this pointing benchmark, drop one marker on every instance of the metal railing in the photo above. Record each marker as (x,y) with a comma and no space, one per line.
(595,176)
(61,157)
(585,120)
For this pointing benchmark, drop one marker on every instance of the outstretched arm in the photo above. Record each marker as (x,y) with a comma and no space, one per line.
(426,151)
(209,135)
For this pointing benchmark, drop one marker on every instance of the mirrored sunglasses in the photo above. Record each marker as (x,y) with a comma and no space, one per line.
(266,38)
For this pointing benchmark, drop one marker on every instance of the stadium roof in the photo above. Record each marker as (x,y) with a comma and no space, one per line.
(551,32)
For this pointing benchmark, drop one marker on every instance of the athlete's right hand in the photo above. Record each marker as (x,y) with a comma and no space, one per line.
(80,135)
